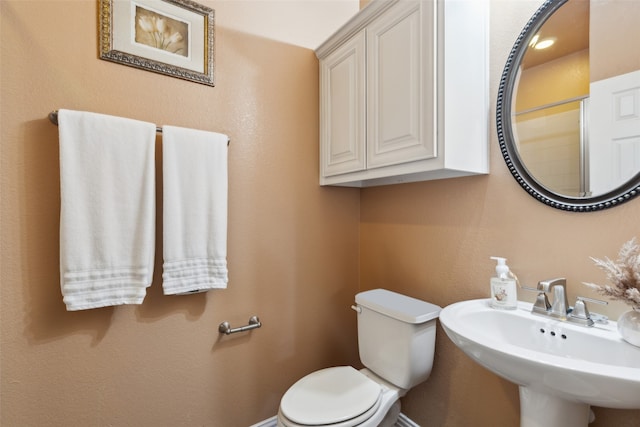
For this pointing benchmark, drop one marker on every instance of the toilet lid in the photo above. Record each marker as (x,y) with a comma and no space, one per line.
(330,396)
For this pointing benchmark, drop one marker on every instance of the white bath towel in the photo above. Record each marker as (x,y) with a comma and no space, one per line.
(107,218)
(194,165)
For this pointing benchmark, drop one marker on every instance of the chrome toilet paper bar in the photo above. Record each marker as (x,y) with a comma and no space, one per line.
(225,327)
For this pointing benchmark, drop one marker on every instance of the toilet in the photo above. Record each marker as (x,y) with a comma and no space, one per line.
(396,342)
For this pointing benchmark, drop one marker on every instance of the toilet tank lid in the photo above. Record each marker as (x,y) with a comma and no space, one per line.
(398,306)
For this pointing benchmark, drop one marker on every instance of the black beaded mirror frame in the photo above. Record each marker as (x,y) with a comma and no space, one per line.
(506,139)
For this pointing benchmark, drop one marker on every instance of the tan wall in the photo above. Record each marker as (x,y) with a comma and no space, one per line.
(293,246)
(433,241)
(614,35)
(564,78)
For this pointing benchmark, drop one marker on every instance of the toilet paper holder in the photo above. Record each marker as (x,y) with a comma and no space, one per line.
(225,327)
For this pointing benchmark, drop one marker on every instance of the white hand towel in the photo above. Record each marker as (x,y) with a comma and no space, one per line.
(194,165)
(107,218)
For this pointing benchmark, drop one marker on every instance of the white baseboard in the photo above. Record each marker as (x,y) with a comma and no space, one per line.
(270,422)
(403,421)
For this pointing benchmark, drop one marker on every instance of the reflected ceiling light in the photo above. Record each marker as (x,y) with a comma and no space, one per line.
(545,43)
(534,40)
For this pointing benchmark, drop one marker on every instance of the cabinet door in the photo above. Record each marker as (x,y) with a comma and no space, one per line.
(342,108)
(401,85)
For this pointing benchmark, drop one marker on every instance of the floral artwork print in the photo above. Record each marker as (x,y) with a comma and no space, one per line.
(161,32)
(175,38)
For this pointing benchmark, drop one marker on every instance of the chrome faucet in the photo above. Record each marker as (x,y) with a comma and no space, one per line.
(560,306)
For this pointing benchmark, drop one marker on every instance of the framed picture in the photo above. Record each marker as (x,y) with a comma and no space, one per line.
(172,37)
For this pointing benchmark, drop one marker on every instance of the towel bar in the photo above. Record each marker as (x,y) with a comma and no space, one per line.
(53,117)
(225,327)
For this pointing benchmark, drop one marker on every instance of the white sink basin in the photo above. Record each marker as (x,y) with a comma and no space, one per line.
(561,368)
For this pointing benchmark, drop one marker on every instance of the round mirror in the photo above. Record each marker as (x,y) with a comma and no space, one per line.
(568,110)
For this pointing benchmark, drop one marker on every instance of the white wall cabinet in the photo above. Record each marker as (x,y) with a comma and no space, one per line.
(404,93)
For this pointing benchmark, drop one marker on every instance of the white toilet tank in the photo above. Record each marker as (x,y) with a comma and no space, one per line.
(396,336)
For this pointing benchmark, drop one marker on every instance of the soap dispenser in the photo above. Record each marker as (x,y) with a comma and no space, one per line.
(504,294)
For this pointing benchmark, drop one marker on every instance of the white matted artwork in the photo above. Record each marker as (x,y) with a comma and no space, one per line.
(172,37)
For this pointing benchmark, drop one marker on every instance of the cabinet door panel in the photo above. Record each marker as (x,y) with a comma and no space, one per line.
(400,89)
(342,109)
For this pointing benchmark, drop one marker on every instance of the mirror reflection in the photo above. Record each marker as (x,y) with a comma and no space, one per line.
(576,102)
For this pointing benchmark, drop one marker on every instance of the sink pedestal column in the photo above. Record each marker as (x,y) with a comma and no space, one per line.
(543,410)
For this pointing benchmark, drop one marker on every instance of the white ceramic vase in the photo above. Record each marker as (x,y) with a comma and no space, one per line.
(629,326)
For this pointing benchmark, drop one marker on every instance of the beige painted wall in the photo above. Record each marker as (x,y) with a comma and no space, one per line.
(294,248)
(433,241)
(614,32)
(564,78)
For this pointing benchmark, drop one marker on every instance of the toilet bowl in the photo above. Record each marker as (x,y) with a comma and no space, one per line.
(340,396)
(396,341)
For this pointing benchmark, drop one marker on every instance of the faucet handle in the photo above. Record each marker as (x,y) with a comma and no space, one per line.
(581,315)
(542,304)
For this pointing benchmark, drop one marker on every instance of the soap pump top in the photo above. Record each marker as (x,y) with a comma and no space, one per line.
(502,269)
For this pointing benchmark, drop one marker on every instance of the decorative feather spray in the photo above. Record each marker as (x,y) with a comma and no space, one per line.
(624,275)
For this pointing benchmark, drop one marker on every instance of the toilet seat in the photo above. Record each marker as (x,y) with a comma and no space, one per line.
(354,422)
(338,397)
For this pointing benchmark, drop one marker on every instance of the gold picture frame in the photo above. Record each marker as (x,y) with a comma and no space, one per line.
(171,37)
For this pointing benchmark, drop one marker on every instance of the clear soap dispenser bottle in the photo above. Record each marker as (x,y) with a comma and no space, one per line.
(504,294)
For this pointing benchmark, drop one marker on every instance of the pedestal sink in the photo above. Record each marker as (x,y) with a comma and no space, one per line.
(561,368)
